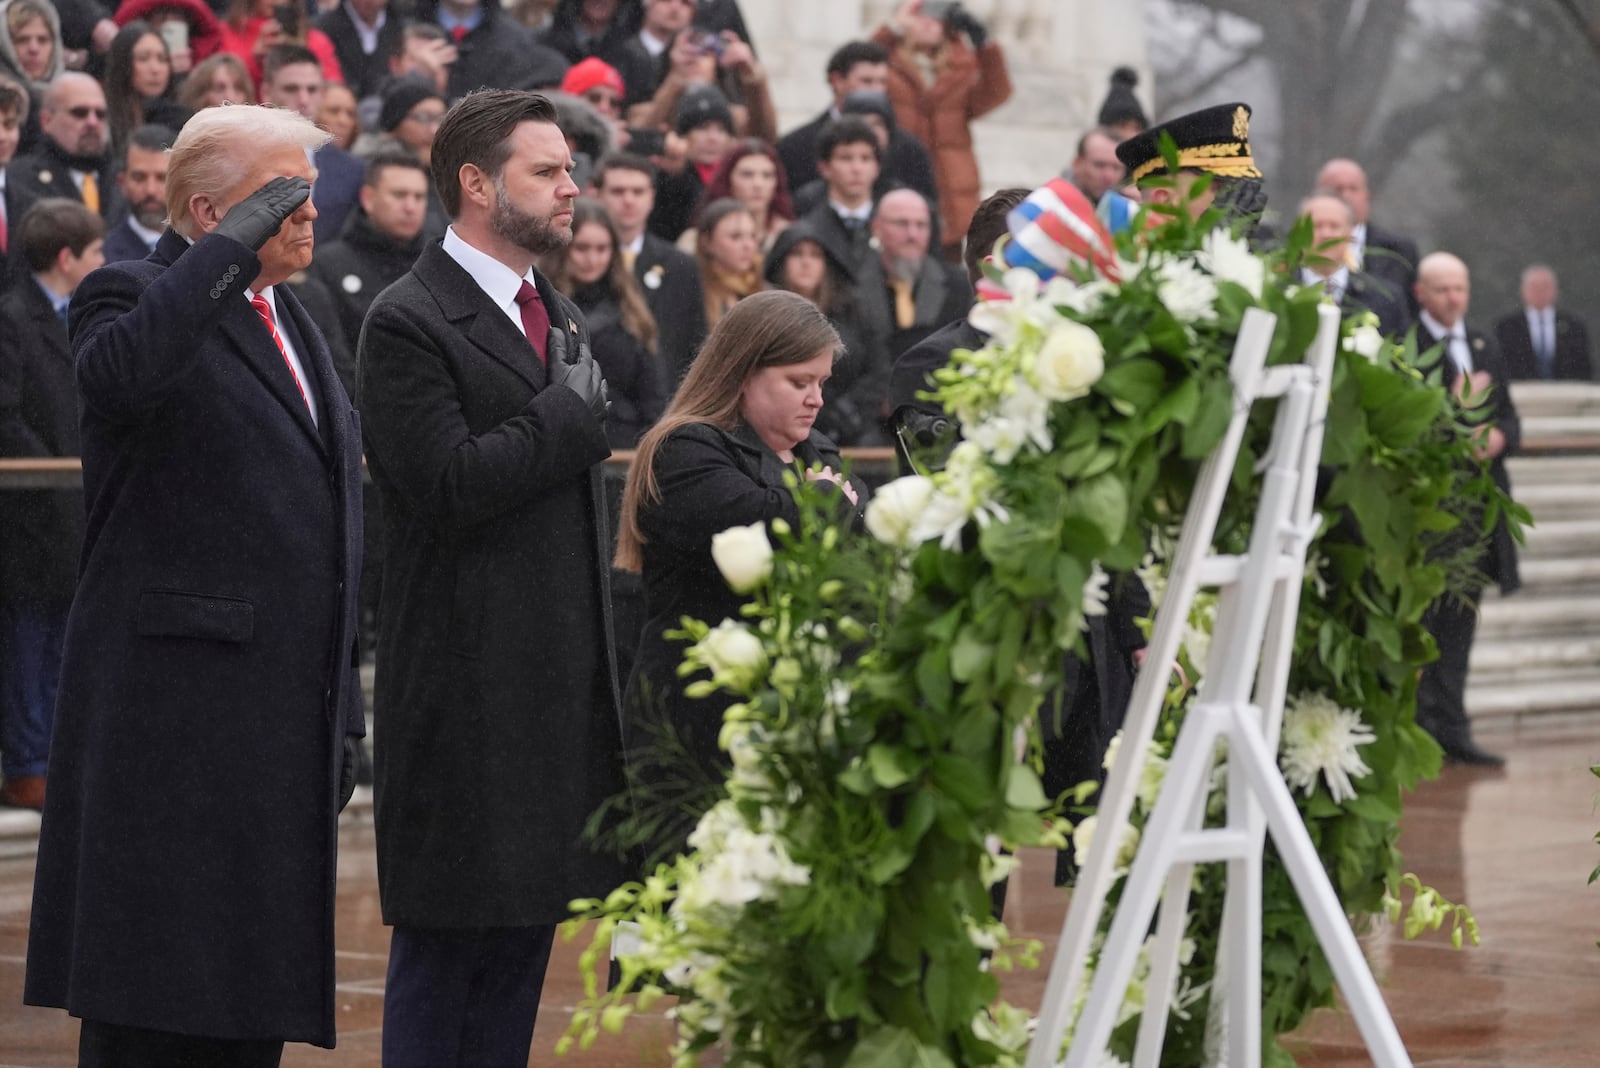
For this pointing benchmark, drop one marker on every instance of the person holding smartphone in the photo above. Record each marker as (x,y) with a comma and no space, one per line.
(945,72)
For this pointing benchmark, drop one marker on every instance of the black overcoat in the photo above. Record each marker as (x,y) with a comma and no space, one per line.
(710,479)
(41,530)
(495,668)
(185,878)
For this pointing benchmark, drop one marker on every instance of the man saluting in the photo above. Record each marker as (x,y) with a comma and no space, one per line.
(183,901)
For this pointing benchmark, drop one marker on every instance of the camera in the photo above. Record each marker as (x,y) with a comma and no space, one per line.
(712,43)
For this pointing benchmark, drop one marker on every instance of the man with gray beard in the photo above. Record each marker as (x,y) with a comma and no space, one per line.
(496,670)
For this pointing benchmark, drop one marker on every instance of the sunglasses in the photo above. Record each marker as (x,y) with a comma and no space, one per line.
(83,111)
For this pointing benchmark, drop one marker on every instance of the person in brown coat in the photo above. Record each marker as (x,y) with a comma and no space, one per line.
(943,73)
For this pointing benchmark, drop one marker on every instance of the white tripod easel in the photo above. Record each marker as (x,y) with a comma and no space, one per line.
(1240,706)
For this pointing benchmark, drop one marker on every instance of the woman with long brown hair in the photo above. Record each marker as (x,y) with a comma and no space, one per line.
(139,84)
(622,332)
(740,421)
(728,250)
(752,174)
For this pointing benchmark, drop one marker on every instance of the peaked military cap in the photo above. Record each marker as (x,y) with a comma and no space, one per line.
(1215,139)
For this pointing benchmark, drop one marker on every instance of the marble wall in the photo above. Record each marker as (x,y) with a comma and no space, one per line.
(1060,53)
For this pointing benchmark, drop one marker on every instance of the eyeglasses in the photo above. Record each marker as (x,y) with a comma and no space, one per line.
(83,111)
(427,118)
(600,99)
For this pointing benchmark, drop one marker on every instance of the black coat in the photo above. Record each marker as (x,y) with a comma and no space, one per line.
(677,195)
(1572,355)
(185,878)
(361,264)
(1500,558)
(1392,258)
(18,201)
(671,282)
(363,73)
(123,244)
(1369,293)
(495,665)
(941,295)
(563,32)
(906,165)
(636,378)
(913,368)
(46,172)
(710,479)
(41,531)
(500,53)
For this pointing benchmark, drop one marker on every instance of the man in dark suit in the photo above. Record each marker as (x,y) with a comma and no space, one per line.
(858,66)
(40,530)
(1540,340)
(849,159)
(492,48)
(143,184)
(1473,370)
(669,277)
(292,78)
(1328,265)
(906,292)
(70,159)
(364,37)
(496,671)
(208,707)
(1382,254)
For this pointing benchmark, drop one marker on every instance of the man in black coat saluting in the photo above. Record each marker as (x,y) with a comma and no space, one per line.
(184,896)
(495,667)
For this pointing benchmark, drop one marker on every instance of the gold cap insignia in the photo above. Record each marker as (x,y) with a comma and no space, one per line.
(1241,123)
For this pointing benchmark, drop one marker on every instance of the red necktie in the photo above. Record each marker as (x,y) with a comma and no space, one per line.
(535,320)
(263,309)
(4,238)
(458,33)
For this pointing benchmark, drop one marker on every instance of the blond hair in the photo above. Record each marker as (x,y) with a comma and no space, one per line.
(217,147)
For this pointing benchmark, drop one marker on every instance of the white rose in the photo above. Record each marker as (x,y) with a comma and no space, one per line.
(1070,361)
(743,555)
(894,510)
(734,653)
(1365,340)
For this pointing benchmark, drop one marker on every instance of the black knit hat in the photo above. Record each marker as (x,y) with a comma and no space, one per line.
(1215,139)
(700,105)
(400,96)
(1120,104)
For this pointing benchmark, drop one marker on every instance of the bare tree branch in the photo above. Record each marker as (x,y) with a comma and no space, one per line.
(1588,27)
(1182,94)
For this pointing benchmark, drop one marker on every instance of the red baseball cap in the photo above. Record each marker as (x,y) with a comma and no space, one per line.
(590,73)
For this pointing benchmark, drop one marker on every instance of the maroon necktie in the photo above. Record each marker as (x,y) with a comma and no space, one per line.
(535,320)
(458,33)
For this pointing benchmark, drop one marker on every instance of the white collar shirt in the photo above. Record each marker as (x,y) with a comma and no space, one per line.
(499,283)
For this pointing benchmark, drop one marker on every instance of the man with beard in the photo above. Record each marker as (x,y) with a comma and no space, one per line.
(70,158)
(910,293)
(496,670)
(143,184)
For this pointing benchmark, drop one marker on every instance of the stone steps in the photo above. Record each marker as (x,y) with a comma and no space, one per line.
(1557,500)
(1556,574)
(1526,617)
(1562,538)
(1553,470)
(1497,705)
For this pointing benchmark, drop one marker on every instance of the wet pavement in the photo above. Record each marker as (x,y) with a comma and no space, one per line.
(1517,845)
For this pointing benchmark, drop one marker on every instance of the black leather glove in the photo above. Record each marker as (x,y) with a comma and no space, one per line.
(258,216)
(581,374)
(961,20)
(1240,198)
(347,770)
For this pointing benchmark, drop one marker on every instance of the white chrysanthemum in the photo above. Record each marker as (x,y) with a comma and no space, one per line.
(1000,438)
(1086,299)
(1320,738)
(1151,776)
(1031,409)
(1229,259)
(1188,292)
(1365,340)
(893,511)
(962,491)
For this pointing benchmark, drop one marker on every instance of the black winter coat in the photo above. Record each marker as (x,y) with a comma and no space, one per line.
(41,531)
(185,879)
(361,264)
(495,667)
(636,378)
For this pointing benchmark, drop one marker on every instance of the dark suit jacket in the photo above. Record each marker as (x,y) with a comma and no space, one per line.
(41,531)
(123,244)
(207,683)
(498,52)
(1572,356)
(852,248)
(337,192)
(17,204)
(941,295)
(1368,293)
(1392,258)
(671,283)
(45,172)
(1500,560)
(362,72)
(496,672)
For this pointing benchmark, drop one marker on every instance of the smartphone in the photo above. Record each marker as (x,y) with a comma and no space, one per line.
(175,32)
(646,142)
(712,43)
(936,9)
(287,17)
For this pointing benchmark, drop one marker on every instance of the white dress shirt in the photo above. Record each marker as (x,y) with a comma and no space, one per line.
(1542,331)
(499,283)
(1455,339)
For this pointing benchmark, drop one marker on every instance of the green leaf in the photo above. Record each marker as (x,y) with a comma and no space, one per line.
(933,677)
(895,1047)
(1101,502)
(1023,789)
(1139,382)
(892,765)
(962,782)
(1210,420)
(969,655)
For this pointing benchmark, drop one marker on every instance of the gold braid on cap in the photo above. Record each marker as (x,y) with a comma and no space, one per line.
(1230,159)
